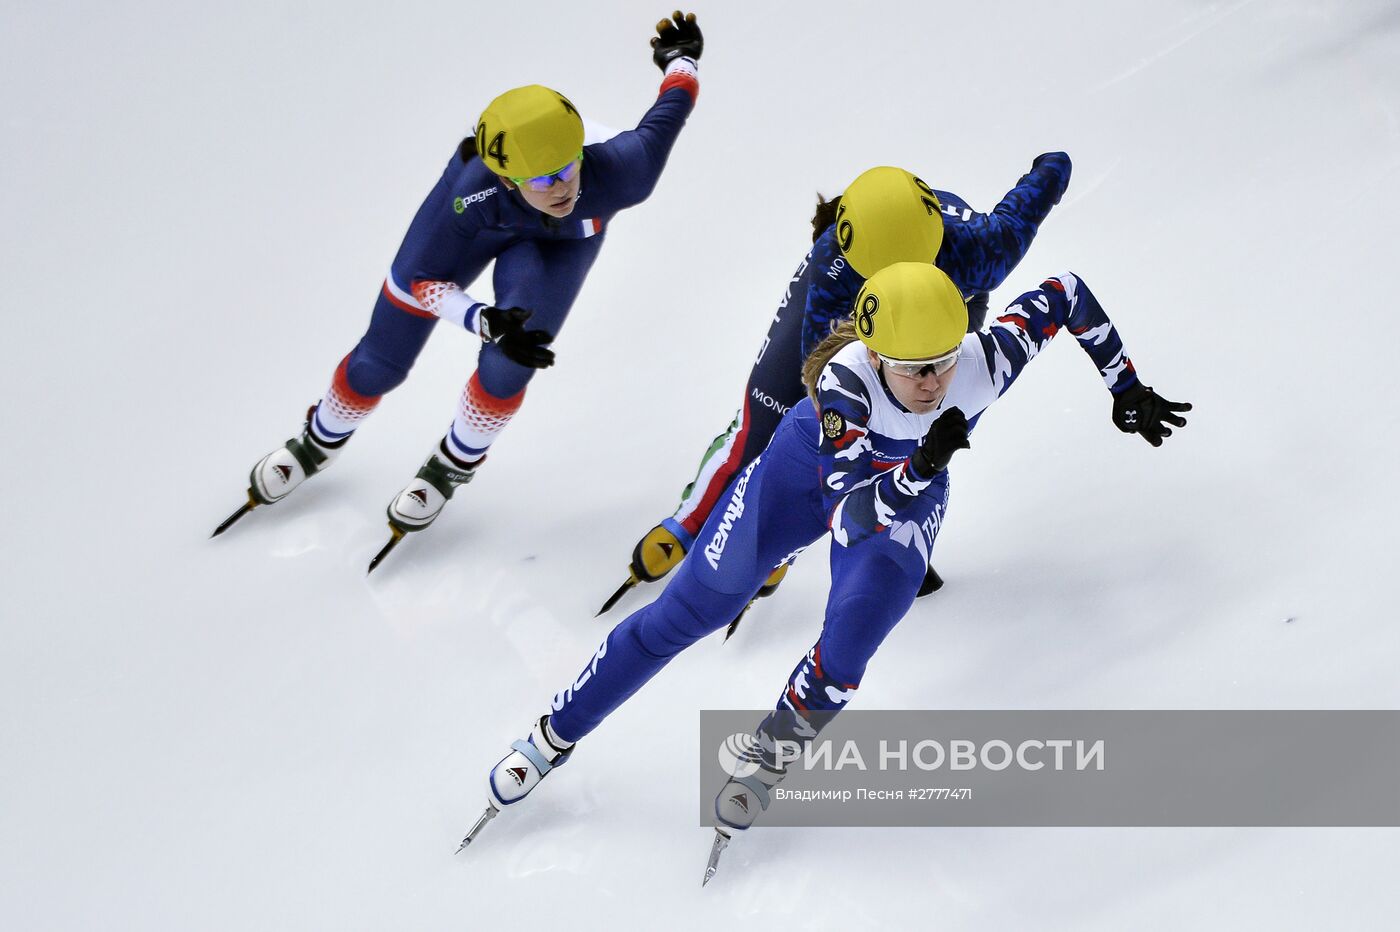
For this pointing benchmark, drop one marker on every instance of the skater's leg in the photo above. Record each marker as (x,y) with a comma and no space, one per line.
(774,386)
(378,364)
(543,277)
(873,583)
(872,586)
(761,522)
(701,598)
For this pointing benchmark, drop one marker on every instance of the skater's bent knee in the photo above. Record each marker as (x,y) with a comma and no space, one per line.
(501,377)
(672,624)
(372,374)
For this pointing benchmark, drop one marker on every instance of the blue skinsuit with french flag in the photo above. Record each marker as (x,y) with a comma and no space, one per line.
(841,465)
(471,218)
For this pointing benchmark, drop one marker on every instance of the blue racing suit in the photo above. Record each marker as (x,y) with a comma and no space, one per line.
(472,217)
(978,252)
(839,465)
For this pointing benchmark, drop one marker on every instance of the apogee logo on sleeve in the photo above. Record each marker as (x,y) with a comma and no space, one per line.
(462,203)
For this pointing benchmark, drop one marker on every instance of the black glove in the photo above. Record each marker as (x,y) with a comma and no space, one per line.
(506,328)
(976,311)
(945,436)
(677,37)
(1140,410)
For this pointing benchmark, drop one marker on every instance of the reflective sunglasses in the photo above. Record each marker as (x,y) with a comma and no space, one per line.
(918,368)
(541,183)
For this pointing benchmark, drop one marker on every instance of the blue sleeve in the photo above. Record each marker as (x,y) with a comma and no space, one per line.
(1031,321)
(832,290)
(633,160)
(860,500)
(978,253)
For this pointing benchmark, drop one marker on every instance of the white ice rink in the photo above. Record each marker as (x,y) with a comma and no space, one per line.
(199,204)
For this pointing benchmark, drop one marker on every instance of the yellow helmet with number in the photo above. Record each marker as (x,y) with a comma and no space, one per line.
(529,131)
(910,311)
(886,216)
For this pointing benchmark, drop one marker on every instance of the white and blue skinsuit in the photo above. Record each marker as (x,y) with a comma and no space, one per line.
(978,252)
(843,466)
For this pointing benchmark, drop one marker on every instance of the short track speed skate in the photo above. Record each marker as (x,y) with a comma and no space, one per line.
(275,476)
(515,775)
(423,499)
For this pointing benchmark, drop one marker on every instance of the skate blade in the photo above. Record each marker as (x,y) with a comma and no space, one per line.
(721,841)
(486,816)
(384,551)
(632,580)
(232,519)
(734,625)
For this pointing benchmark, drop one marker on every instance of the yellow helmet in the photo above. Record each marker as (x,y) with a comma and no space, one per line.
(910,311)
(887,215)
(529,131)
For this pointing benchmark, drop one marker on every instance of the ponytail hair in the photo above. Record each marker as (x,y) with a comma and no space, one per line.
(466,150)
(842,334)
(824,216)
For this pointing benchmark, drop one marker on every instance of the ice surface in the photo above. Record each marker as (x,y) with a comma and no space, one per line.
(200,203)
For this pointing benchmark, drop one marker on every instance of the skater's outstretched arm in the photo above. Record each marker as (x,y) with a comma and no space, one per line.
(980,250)
(1065,302)
(632,161)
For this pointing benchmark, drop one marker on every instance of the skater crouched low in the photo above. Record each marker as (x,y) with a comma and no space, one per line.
(533,193)
(894,393)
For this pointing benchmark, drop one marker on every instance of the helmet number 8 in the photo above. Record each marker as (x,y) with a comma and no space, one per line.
(865,317)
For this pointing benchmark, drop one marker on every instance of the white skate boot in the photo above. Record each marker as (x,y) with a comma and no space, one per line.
(282,470)
(423,499)
(275,476)
(737,806)
(520,771)
(741,799)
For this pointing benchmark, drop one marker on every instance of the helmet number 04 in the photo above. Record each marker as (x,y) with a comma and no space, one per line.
(497,148)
